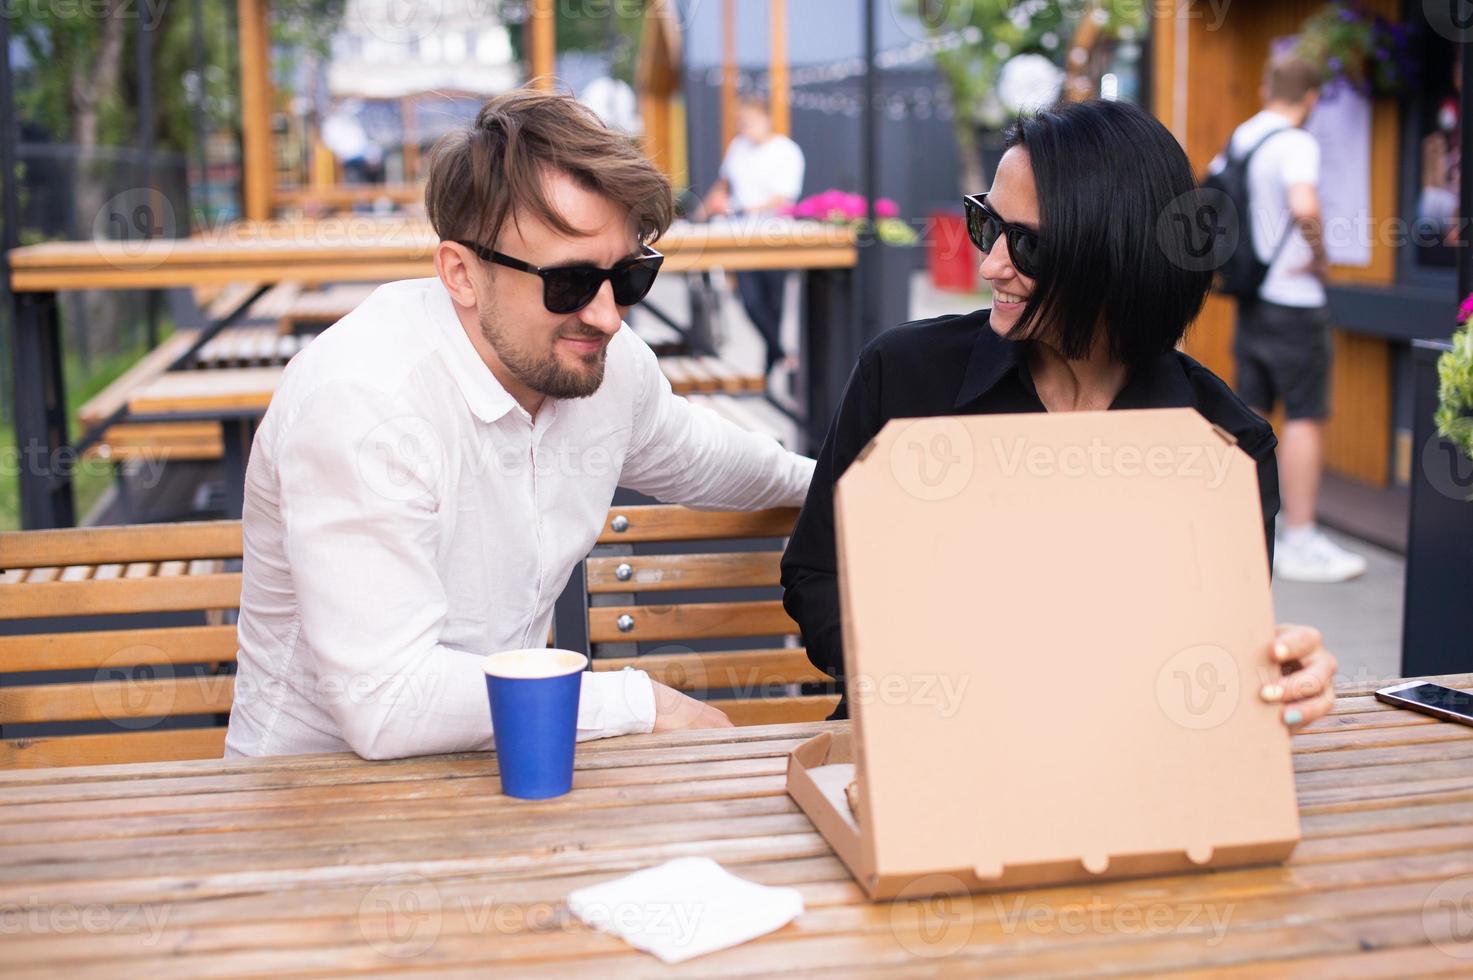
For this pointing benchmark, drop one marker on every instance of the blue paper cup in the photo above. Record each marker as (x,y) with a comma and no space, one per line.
(534,719)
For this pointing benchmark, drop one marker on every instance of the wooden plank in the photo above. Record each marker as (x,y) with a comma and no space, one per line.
(140,647)
(145,542)
(184,594)
(222,389)
(348,195)
(327,252)
(344,774)
(663,573)
(226,300)
(412,817)
(823,878)
(595,787)
(780,95)
(834,914)
(660,522)
(542,45)
(589,753)
(692,620)
(256,110)
(92,750)
(124,699)
(112,399)
(1363,691)
(1357,435)
(742,670)
(767,711)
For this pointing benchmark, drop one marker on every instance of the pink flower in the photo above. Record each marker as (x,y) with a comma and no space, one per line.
(1466,310)
(886,208)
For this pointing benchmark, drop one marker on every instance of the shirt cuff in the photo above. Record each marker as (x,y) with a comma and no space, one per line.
(615,702)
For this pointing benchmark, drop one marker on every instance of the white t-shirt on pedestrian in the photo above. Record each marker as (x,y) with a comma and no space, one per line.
(758,172)
(1289,158)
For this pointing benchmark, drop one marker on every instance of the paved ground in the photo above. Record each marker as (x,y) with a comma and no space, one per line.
(1361,619)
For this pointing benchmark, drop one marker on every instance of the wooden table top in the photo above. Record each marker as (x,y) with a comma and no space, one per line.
(361,249)
(250,389)
(329,864)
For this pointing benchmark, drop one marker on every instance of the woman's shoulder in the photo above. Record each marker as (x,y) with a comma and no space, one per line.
(933,340)
(1221,406)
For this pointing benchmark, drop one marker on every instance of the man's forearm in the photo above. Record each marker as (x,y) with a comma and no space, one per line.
(1312,227)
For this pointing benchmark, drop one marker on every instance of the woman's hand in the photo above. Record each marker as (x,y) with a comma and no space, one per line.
(1307,689)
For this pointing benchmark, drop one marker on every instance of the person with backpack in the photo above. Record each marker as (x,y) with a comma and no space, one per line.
(1277,272)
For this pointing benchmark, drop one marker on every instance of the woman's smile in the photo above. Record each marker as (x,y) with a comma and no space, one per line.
(1006,302)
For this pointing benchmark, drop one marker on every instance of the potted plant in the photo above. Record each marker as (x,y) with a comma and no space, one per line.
(1437,633)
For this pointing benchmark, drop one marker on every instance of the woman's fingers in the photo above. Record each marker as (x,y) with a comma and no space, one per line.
(1292,642)
(1307,689)
(1301,713)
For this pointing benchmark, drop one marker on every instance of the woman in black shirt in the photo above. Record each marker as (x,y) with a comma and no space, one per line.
(1094,247)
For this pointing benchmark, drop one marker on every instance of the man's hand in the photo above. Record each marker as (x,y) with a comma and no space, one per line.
(1307,689)
(674,711)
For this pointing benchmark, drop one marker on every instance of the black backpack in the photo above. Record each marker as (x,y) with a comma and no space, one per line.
(1241,273)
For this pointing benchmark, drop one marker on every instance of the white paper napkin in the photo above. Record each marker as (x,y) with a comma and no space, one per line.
(685,908)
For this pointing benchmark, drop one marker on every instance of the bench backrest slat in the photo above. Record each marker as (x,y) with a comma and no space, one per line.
(753,686)
(173,586)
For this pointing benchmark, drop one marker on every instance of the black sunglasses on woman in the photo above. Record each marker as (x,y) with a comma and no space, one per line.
(569,288)
(985,226)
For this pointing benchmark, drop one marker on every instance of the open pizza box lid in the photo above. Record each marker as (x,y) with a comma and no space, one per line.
(1055,630)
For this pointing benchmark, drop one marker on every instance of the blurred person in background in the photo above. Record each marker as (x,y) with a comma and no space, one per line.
(761,174)
(1282,344)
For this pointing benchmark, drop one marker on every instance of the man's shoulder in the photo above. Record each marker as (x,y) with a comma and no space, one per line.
(1272,136)
(379,346)
(786,143)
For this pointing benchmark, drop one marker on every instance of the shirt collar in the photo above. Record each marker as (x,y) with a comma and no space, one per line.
(1160,383)
(487,399)
(993,358)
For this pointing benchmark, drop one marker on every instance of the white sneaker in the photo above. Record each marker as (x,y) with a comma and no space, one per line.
(1310,556)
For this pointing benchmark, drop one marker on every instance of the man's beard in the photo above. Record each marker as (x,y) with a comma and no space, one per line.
(543,373)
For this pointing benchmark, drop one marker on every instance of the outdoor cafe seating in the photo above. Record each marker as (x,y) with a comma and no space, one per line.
(1015,765)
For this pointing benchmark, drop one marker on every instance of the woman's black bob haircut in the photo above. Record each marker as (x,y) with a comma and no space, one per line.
(1113,189)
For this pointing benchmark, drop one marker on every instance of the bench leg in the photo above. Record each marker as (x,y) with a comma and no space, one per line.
(40,413)
(237,433)
(828,349)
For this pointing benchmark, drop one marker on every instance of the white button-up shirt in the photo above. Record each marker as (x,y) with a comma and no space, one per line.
(404,517)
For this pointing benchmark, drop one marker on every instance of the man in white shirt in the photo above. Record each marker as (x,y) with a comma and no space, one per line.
(436,463)
(762,172)
(1282,345)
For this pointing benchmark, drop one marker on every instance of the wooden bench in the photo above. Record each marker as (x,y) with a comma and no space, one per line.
(755,415)
(318,309)
(141,674)
(175,578)
(126,441)
(706,374)
(753,686)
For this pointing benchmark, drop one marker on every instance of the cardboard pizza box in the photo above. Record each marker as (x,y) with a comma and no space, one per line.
(1056,627)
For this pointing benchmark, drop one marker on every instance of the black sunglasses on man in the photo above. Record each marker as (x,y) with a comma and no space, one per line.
(569,288)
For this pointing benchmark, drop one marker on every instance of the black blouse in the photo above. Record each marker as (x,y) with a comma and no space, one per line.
(957,365)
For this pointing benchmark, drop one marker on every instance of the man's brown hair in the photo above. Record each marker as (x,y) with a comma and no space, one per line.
(1289,78)
(481,176)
